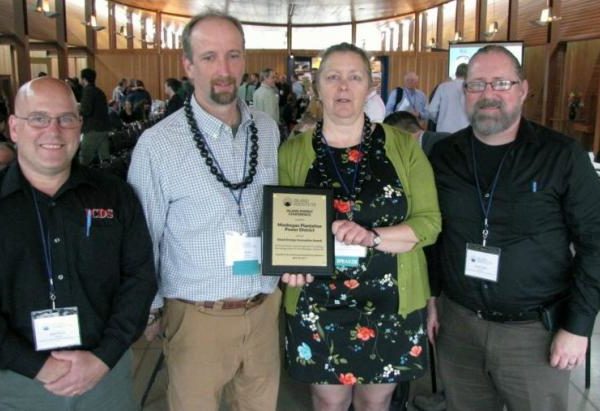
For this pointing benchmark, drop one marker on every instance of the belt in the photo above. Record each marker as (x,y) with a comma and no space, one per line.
(500,317)
(227,304)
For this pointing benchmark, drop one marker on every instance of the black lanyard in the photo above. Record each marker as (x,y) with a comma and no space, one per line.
(349,192)
(45,237)
(486,210)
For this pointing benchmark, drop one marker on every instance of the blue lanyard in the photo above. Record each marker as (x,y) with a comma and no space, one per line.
(45,237)
(486,210)
(238,198)
(337,171)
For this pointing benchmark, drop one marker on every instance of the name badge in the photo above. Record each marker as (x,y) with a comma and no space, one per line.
(346,256)
(58,328)
(242,253)
(482,262)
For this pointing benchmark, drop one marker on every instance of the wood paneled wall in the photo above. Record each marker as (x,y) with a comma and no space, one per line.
(153,68)
(535,78)
(531,34)
(580,19)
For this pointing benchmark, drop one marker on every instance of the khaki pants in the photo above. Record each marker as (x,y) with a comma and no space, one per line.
(209,349)
(485,365)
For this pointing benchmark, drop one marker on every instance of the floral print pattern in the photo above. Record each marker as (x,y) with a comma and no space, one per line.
(347,329)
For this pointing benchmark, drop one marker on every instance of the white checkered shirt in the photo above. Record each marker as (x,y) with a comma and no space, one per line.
(188,210)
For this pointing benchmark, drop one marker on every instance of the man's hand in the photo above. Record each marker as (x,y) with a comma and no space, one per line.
(85,372)
(567,350)
(433,324)
(52,370)
(154,326)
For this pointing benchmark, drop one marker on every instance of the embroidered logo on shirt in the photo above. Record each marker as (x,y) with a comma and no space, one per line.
(100,213)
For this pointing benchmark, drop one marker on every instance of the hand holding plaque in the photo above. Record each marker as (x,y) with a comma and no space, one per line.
(297,234)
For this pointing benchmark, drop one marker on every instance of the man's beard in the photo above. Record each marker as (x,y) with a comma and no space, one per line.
(485,124)
(223,97)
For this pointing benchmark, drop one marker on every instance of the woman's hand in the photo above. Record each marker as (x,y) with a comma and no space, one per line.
(296,280)
(348,232)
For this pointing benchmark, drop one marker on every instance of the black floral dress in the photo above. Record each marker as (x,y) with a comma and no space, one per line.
(347,329)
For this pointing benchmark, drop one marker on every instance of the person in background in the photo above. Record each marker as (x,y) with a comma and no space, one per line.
(94,110)
(118,93)
(76,267)
(266,97)
(174,101)
(200,174)
(357,334)
(374,106)
(516,304)
(127,115)
(408,123)
(447,107)
(408,98)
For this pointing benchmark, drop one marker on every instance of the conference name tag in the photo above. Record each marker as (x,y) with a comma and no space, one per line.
(58,328)
(346,256)
(482,262)
(242,253)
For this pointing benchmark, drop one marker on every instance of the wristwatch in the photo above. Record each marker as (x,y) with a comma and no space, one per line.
(154,317)
(376,238)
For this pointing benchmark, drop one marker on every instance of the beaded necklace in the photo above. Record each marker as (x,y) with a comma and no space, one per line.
(323,151)
(213,164)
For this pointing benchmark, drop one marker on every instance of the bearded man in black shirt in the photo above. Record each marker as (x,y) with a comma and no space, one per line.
(76,267)
(516,305)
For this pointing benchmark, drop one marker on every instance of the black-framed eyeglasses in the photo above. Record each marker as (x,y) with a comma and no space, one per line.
(43,120)
(478,86)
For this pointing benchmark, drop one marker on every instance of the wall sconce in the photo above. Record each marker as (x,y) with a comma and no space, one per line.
(457,38)
(123,32)
(93,24)
(492,29)
(42,6)
(431,44)
(546,18)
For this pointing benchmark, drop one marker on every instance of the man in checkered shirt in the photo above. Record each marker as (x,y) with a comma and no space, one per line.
(202,195)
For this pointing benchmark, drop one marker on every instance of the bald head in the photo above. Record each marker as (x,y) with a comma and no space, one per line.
(411,80)
(42,86)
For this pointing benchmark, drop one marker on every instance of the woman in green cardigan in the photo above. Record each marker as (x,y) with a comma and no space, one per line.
(355,335)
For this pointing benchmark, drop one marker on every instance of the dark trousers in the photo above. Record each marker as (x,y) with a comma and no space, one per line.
(486,365)
(114,392)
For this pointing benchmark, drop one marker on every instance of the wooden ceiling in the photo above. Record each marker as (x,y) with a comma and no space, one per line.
(303,12)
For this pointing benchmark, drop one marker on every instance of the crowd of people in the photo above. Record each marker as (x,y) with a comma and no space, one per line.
(482,237)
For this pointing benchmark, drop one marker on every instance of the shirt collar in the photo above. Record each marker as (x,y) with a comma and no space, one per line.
(14,180)
(212,126)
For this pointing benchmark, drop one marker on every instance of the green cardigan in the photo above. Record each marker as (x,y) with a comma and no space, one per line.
(295,158)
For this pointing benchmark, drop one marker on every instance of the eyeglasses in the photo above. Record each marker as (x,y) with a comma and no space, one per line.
(42,120)
(479,86)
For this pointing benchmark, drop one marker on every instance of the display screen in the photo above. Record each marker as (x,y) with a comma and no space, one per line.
(462,52)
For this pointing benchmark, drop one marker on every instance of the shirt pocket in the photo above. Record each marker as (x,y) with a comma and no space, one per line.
(531,211)
(98,248)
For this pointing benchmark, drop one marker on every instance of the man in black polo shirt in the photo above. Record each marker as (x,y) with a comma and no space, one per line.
(517,306)
(76,267)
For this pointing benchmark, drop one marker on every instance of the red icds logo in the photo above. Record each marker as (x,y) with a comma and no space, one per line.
(100,213)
